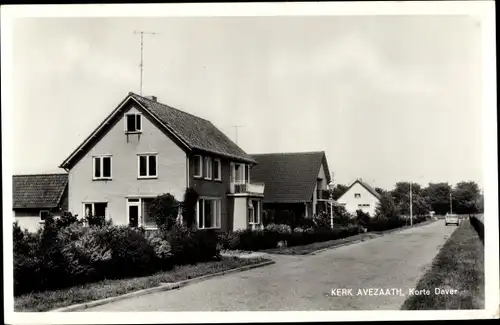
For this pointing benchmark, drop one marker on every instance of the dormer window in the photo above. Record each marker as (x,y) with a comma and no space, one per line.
(133,123)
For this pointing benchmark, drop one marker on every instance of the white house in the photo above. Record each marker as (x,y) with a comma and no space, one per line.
(360,196)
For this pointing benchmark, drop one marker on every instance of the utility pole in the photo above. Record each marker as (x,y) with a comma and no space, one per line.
(411,207)
(451,204)
(236,131)
(142,47)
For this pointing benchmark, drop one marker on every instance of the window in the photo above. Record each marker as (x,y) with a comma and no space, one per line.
(253,212)
(238,173)
(208,213)
(133,123)
(148,165)
(97,209)
(363,205)
(217,169)
(147,220)
(198,165)
(44,214)
(208,168)
(357,195)
(102,167)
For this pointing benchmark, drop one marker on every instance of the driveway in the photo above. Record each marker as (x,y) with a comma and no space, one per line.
(396,260)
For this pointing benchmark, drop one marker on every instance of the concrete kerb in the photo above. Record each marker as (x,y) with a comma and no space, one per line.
(162,287)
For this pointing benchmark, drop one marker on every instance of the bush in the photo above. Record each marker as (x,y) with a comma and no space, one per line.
(282,229)
(322,221)
(67,219)
(298,229)
(131,252)
(192,246)
(363,219)
(162,249)
(164,211)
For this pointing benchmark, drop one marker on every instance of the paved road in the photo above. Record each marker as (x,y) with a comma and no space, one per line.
(396,260)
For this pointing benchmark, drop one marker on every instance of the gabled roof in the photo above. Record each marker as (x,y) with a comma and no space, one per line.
(365,185)
(193,132)
(39,191)
(289,177)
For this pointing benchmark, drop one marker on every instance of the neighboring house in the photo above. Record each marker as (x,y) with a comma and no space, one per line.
(35,196)
(294,181)
(144,149)
(360,196)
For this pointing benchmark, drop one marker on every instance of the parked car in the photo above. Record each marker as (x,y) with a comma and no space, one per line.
(451,219)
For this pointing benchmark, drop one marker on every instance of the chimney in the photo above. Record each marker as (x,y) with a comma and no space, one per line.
(153,98)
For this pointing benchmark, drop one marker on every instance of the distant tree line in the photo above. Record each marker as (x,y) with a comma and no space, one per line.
(466,198)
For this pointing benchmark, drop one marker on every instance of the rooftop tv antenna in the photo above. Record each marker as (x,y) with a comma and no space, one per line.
(236,131)
(142,47)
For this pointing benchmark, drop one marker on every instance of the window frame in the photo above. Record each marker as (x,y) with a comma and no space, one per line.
(357,195)
(147,155)
(40,214)
(208,165)
(100,158)
(219,169)
(241,172)
(198,159)
(93,203)
(136,114)
(218,217)
(256,212)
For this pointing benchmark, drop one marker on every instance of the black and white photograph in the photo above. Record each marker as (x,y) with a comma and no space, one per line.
(182,163)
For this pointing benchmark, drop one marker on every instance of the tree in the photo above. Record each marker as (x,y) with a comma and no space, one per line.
(466,198)
(401,192)
(338,190)
(380,191)
(189,207)
(164,210)
(386,208)
(438,195)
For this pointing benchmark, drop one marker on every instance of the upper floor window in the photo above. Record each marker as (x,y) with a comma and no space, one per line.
(148,166)
(198,166)
(240,173)
(102,167)
(208,168)
(133,123)
(363,205)
(357,195)
(216,168)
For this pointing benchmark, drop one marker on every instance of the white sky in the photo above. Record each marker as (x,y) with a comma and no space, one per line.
(387,98)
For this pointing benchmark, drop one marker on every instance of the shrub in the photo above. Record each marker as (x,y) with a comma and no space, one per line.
(298,229)
(322,221)
(192,246)
(362,218)
(67,219)
(281,228)
(162,249)
(131,252)
(164,211)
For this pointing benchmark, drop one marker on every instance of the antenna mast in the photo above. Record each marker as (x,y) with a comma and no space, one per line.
(236,130)
(142,46)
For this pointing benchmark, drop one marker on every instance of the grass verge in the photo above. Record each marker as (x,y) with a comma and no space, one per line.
(458,265)
(48,300)
(309,248)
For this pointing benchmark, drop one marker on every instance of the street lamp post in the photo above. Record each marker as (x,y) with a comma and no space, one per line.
(411,207)
(451,204)
(330,187)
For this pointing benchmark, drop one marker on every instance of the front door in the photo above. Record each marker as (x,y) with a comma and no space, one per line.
(133,212)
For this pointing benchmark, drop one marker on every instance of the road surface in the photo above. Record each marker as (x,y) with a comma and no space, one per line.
(304,283)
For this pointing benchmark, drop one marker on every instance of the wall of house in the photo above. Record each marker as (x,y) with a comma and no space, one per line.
(240,213)
(124,148)
(214,189)
(28,219)
(352,203)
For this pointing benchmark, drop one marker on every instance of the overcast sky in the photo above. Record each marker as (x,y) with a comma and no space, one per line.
(387,98)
